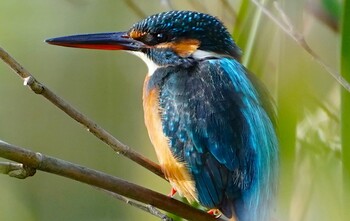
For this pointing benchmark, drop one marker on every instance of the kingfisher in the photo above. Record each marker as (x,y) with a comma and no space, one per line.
(212,122)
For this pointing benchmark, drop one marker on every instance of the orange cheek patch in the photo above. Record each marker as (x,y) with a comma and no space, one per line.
(136,34)
(183,48)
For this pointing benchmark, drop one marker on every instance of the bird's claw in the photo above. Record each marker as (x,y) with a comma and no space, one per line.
(172,192)
(215,212)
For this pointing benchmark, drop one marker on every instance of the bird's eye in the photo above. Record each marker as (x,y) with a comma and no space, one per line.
(161,37)
(153,38)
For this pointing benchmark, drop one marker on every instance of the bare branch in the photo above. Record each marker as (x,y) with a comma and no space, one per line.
(230,10)
(315,8)
(92,127)
(167,4)
(289,29)
(101,180)
(148,208)
(136,9)
(16,170)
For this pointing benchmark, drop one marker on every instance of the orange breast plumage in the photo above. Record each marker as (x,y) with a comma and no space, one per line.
(175,171)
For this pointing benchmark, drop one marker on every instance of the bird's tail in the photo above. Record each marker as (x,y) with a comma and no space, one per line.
(229,211)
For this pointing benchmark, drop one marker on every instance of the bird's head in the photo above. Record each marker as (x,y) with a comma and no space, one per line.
(165,39)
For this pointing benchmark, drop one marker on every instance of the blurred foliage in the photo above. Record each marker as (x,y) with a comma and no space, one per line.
(345,104)
(107,87)
(332,7)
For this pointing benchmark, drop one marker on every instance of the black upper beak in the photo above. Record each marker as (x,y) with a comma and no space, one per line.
(103,41)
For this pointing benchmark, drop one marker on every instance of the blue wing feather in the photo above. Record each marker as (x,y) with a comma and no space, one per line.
(219,124)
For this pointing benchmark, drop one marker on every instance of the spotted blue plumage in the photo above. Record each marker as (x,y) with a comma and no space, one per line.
(219,124)
(176,25)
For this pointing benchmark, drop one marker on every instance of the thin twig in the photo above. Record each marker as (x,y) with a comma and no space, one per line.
(289,29)
(167,4)
(147,208)
(136,9)
(315,8)
(253,34)
(92,127)
(101,180)
(230,10)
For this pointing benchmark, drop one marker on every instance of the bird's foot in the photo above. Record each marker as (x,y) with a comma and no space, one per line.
(172,192)
(215,212)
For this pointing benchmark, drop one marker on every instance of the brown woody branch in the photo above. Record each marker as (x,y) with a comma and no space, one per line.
(38,161)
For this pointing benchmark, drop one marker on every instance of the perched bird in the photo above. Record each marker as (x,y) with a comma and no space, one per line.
(210,120)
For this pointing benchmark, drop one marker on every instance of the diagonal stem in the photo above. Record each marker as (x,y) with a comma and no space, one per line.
(289,29)
(92,127)
(101,180)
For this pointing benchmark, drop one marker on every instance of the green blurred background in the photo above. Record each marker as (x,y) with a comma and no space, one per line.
(106,86)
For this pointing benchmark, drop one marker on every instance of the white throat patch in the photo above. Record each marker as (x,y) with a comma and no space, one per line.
(152,67)
(198,55)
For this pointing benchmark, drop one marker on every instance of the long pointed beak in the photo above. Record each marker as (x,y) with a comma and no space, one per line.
(103,41)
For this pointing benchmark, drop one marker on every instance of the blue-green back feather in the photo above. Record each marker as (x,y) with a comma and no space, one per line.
(219,124)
